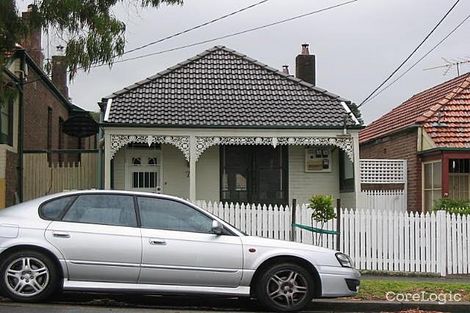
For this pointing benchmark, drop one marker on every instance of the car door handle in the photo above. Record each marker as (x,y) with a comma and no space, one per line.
(61,235)
(157,242)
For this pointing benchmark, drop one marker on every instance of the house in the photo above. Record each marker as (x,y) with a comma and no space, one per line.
(431,130)
(35,116)
(224,127)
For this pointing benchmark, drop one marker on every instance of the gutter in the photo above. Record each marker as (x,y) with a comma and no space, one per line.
(440,149)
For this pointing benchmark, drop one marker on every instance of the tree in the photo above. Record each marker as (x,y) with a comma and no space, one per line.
(89,29)
(322,212)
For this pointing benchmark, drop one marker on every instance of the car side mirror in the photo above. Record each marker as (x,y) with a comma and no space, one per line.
(217,228)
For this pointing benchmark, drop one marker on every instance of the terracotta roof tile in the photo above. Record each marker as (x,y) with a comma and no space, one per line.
(443,110)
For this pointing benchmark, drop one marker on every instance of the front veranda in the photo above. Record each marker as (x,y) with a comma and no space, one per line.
(265,167)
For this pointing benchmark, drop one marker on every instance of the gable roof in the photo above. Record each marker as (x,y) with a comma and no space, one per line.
(443,111)
(223,88)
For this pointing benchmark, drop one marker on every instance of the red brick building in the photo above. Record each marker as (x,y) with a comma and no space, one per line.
(33,120)
(431,130)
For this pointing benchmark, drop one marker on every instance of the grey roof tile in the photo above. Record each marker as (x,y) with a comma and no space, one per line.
(224,88)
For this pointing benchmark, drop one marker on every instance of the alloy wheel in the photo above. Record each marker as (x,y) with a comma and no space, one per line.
(26,276)
(287,288)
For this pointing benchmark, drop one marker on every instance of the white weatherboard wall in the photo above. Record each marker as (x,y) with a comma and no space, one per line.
(208,175)
(175,172)
(120,169)
(303,185)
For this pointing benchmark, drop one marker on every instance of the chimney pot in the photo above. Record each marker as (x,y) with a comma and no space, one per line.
(285,69)
(305,49)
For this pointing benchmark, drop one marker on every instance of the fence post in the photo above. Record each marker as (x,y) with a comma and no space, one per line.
(338,224)
(294,206)
(441,242)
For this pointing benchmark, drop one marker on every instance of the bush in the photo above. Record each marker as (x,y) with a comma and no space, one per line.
(322,207)
(452,206)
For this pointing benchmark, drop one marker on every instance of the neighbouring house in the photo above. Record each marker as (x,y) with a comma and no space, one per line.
(224,127)
(431,130)
(34,117)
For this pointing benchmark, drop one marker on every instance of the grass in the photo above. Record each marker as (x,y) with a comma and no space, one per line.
(377,289)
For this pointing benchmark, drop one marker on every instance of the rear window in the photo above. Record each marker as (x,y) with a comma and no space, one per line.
(53,209)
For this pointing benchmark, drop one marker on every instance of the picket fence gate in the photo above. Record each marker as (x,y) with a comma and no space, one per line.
(436,242)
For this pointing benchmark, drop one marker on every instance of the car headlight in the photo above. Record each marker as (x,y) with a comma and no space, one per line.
(344,259)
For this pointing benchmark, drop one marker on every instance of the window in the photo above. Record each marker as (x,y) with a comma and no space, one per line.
(172,215)
(143,167)
(53,209)
(431,183)
(103,209)
(6,123)
(459,179)
(253,174)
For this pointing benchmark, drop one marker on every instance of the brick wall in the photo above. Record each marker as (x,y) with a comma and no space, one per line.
(399,146)
(10,178)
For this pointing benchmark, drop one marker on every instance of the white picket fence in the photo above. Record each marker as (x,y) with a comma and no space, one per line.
(375,240)
(384,200)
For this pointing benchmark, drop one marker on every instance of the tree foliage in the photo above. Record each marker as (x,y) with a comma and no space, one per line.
(91,32)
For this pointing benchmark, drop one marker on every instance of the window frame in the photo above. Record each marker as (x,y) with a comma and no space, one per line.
(432,189)
(76,196)
(10,116)
(227,231)
(64,210)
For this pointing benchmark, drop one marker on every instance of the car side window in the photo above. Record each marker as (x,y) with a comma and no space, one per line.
(172,215)
(53,209)
(104,209)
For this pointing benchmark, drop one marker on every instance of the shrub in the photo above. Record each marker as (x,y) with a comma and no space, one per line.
(452,206)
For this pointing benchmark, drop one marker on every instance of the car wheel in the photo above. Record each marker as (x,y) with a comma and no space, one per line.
(28,276)
(285,287)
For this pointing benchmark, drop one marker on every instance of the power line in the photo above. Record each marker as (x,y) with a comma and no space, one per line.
(416,63)
(233,34)
(409,56)
(195,27)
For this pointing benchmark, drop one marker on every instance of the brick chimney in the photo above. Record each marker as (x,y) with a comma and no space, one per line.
(32,42)
(59,72)
(305,65)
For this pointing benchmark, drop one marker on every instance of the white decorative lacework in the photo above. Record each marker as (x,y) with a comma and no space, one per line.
(344,143)
(119,141)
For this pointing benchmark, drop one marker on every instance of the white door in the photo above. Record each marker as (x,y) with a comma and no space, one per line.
(143,169)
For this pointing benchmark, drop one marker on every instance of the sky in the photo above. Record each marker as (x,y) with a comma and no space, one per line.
(356,46)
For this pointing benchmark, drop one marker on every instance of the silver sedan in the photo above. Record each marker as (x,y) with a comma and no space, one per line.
(117,241)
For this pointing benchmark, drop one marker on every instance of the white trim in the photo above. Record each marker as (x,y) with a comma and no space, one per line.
(108,109)
(350,113)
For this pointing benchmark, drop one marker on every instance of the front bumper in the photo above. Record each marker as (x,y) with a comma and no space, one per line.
(338,281)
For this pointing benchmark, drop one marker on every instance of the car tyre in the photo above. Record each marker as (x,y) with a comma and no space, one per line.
(285,287)
(29,276)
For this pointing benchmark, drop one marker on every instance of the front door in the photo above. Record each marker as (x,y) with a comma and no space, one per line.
(99,238)
(179,248)
(143,169)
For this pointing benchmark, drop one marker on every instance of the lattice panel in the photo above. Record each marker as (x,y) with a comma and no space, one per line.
(376,171)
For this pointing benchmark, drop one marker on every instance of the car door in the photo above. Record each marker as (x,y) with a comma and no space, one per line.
(99,238)
(179,248)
